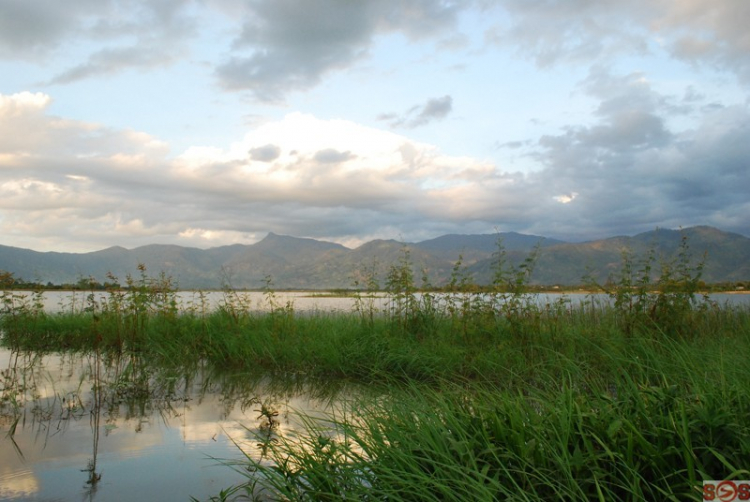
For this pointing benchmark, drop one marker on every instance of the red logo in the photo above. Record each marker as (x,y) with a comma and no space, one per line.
(726,491)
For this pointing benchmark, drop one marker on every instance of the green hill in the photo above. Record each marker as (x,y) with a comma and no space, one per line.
(297,263)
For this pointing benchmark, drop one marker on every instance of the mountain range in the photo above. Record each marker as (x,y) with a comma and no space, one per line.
(301,263)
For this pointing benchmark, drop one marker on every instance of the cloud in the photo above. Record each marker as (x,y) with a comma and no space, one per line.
(570,30)
(265,153)
(293,44)
(332,156)
(512,145)
(283,46)
(434,109)
(141,34)
(712,34)
(28,132)
(286,45)
(55,170)
(64,180)
(631,172)
(29,29)
(111,61)
(71,181)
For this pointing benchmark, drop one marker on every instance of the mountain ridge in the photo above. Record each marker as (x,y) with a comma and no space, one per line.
(304,263)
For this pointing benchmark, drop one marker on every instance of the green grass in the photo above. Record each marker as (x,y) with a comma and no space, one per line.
(584,415)
(562,442)
(479,396)
(522,403)
(477,342)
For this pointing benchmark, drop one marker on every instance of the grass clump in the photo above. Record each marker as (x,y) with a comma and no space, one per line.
(558,441)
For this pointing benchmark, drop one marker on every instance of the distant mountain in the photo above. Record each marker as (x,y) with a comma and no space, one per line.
(287,261)
(727,255)
(297,263)
(476,247)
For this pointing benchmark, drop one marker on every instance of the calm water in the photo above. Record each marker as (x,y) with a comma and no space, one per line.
(304,302)
(150,435)
(55,301)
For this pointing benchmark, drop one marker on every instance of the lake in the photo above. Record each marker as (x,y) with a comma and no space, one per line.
(307,302)
(150,434)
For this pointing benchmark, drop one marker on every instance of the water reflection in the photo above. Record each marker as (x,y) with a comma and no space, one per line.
(303,302)
(201,302)
(98,427)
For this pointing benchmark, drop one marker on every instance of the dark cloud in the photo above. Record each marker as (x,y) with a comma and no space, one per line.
(568,30)
(266,153)
(631,173)
(111,61)
(621,132)
(332,156)
(36,28)
(287,45)
(434,109)
(513,145)
(631,113)
(563,31)
(293,44)
(142,34)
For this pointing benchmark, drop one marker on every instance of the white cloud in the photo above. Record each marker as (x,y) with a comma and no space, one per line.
(14,104)
(566,198)
(336,177)
(325,163)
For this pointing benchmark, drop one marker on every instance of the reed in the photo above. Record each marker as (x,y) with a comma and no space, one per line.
(481,396)
(427,344)
(642,435)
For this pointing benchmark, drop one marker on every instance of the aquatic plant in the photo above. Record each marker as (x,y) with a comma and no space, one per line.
(648,295)
(636,397)
(569,439)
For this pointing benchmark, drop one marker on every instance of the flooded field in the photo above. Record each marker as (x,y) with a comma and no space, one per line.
(82,427)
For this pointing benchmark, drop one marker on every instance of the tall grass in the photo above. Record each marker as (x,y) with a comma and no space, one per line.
(562,441)
(582,416)
(504,335)
(485,396)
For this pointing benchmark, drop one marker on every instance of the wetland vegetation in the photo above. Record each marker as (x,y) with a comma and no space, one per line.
(475,396)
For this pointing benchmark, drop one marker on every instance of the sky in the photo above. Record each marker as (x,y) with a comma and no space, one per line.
(204,123)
